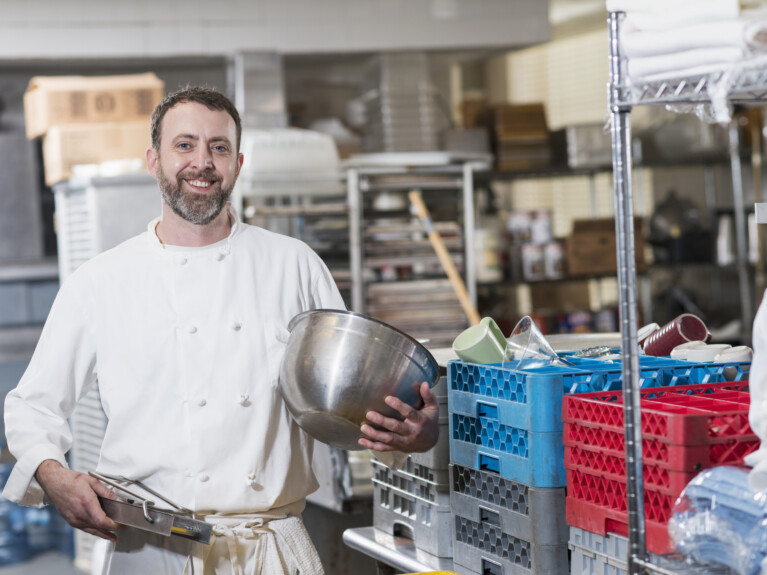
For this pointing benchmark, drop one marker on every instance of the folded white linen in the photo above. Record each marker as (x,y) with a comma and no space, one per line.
(724,8)
(674,18)
(755,33)
(738,33)
(675,64)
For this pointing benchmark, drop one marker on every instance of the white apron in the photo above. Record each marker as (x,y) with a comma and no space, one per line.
(240,545)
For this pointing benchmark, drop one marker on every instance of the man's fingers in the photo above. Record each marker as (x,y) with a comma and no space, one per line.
(388,423)
(428,395)
(375,445)
(405,410)
(101,489)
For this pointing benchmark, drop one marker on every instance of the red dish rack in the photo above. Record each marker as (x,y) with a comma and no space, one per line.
(685,429)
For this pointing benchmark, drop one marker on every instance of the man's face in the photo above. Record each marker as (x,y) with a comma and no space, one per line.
(197,164)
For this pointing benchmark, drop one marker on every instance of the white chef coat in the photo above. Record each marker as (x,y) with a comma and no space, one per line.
(185,346)
(757,384)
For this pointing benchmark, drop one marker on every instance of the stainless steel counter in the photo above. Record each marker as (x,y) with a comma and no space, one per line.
(396,552)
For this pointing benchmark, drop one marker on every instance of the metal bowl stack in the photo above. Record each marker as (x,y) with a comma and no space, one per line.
(338,365)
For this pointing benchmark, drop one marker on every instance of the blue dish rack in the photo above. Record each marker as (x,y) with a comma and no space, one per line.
(508,421)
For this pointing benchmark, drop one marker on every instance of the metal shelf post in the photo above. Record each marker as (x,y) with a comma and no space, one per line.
(746,303)
(624,233)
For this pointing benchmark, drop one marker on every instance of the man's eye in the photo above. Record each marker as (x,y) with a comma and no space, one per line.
(221,149)
(184,146)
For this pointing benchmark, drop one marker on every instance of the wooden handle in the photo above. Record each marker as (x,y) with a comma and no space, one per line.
(444,257)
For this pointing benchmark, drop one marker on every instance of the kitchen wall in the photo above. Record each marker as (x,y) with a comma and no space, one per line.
(151,28)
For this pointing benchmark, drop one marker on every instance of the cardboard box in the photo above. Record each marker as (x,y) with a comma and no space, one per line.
(591,251)
(58,100)
(70,145)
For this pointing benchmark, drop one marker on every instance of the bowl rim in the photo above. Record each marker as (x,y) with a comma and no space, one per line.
(296,318)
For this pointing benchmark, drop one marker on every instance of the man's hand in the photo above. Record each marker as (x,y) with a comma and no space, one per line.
(74,495)
(418,431)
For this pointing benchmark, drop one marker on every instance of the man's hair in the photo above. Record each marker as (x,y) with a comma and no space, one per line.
(208,97)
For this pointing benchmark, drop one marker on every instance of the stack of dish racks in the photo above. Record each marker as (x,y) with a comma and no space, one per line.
(414,500)
(531,481)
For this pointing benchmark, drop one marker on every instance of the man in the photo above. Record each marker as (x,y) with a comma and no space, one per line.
(181,328)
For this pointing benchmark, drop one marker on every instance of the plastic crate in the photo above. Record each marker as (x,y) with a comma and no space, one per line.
(709,413)
(484,548)
(593,554)
(684,428)
(546,384)
(656,452)
(604,520)
(417,480)
(694,372)
(533,514)
(535,459)
(437,459)
(406,506)
(613,467)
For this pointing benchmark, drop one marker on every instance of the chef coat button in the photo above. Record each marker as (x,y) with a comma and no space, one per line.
(251,476)
(204,477)
(237,326)
(202,403)
(191,329)
(220,256)
(182,261)
(245,399)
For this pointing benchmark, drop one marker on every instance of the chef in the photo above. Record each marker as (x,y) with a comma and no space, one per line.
(758,389)
(182,327)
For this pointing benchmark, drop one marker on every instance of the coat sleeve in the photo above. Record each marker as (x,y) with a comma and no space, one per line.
(758,411)
(325,294)
(62,369)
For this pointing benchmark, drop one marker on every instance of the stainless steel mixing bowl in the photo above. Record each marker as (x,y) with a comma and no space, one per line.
(339,364)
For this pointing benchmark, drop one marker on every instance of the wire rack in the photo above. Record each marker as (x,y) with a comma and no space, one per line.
(744,83)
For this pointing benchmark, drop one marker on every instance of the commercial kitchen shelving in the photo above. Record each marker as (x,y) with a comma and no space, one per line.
(434,310)
(742,84)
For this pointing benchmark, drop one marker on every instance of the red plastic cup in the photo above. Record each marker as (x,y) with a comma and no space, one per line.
(681,329)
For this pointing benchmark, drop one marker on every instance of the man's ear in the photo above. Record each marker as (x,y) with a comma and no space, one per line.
(240,159)
(151,161)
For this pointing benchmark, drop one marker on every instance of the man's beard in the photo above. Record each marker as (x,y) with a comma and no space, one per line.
(195,208)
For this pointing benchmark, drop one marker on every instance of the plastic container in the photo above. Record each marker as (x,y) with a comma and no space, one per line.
(592,554)
(529,457)
(533,514)
(483,547)
(603,520)
(510,422)
(684,429)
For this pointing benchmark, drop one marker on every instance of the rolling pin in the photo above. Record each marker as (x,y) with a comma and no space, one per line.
(444,257)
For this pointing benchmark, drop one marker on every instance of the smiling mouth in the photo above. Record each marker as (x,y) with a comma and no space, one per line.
(199,184)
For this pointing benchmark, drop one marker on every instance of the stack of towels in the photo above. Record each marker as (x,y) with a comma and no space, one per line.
(665,39)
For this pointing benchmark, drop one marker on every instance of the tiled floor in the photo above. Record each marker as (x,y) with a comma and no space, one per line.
(51,563)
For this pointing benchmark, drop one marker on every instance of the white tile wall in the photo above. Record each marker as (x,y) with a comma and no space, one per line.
(95,28)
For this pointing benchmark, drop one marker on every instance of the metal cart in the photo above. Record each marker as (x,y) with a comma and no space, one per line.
(745,84)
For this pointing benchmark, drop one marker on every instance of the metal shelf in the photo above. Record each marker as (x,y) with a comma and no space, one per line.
(746,83)
(738,84)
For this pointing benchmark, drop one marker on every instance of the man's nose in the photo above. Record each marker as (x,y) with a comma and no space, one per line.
(204,157)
